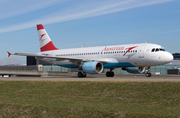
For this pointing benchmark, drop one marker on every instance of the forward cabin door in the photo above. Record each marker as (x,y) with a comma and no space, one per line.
(141,51)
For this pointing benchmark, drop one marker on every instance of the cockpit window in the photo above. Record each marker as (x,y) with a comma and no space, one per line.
(161,49)
(157,49)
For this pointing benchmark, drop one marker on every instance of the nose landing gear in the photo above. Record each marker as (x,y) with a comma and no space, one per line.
(147,72)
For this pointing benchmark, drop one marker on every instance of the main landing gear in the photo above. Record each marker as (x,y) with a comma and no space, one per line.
(110,73)
(81,74)
(147,72)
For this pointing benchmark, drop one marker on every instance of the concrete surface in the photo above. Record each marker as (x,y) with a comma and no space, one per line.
(97,78)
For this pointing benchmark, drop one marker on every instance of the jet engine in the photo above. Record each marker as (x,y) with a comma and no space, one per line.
(93,67)
(135,70)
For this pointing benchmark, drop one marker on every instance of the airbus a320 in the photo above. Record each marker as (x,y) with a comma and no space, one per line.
(133,58)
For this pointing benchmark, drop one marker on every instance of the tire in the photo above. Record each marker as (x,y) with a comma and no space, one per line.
(84,74)
(112,74)
(108,74)
(146,75)
(80,74)
(149,74)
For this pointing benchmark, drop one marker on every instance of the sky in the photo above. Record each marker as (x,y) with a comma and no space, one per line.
(87,23)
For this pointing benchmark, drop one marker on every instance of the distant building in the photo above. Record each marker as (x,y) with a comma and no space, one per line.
(176,56)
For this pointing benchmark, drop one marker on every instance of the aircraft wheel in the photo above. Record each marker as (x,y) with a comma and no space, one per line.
(148,74)
(81,74)
(84,74)
(108,74)
(112,74)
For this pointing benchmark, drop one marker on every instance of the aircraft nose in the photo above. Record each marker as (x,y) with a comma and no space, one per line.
(169,57)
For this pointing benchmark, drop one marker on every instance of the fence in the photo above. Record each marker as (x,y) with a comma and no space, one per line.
(161,69)
(18,68)
(56,68)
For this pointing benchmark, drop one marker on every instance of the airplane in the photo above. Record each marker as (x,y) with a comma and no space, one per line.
(133,58)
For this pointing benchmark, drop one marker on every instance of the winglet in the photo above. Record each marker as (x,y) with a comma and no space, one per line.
(9,54)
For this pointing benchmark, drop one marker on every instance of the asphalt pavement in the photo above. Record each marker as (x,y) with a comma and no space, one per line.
(97,78)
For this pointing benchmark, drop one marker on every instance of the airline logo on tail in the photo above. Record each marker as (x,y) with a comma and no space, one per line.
(41,36)
(44,40)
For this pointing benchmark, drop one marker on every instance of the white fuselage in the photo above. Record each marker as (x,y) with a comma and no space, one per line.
(134,58)
(132,55)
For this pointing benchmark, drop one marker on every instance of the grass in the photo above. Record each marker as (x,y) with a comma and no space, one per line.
(89,99)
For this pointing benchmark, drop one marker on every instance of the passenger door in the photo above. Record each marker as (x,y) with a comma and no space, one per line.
(141,51)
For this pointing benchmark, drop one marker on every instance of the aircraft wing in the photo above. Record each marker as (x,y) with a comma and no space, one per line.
(45,56)
(103,60)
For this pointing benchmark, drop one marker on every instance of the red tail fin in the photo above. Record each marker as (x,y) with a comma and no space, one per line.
(44,40)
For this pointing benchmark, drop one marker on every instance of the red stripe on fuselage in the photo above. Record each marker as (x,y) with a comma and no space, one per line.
(129,49)
(40,26)
(48,47)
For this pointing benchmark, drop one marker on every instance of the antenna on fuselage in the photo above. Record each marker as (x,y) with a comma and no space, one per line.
(83,46)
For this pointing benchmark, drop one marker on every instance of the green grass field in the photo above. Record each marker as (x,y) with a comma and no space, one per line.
(89,99)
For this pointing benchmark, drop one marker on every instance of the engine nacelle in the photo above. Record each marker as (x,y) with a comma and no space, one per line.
(135,70)
(93,67)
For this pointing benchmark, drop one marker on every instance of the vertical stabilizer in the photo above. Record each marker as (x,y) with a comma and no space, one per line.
(44,40)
